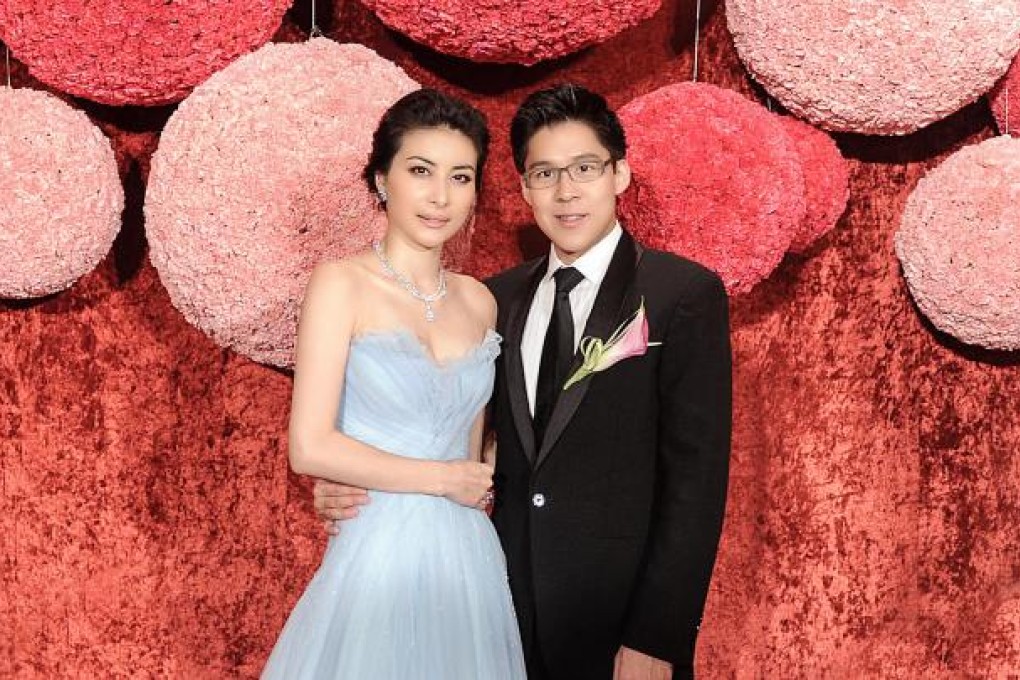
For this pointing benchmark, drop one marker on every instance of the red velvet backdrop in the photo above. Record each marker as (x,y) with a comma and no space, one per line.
(149,525)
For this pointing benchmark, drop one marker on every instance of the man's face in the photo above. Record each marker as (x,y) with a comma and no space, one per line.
(574,215)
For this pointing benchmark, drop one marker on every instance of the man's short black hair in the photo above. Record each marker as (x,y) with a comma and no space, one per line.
(562,103)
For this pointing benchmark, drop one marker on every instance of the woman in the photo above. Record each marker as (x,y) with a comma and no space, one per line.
(416,586)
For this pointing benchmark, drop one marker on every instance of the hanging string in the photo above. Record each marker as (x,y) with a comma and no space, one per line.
(697,37)
(314,31)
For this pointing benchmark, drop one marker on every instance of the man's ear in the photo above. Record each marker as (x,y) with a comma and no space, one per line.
(526,192)
(621,176)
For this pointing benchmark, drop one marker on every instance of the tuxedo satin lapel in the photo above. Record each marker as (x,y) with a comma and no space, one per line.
(514,364)
(614,302)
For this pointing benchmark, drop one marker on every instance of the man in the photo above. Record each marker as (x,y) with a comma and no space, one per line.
(609,492)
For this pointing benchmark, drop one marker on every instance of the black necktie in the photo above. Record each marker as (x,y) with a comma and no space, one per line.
(557,350)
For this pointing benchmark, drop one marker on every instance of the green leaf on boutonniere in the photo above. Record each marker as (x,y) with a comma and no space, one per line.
(630,339)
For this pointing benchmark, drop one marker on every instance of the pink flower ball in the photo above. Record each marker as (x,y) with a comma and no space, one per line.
(826,181)
(959,248)
(134,51)
(875,66)
(257,178)
(716,179)
(511,31)
(1005,101)
(62,196)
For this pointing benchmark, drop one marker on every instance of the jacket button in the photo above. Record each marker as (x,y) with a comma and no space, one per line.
(538,500)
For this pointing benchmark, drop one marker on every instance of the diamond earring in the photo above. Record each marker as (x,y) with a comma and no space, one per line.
(382,195)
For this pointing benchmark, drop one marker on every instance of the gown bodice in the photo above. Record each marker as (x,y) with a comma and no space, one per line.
(398,398)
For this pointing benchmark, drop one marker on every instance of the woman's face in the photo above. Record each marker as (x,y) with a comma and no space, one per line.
(430,185)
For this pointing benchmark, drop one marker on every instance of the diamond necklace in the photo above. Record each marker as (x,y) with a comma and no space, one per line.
(430,314)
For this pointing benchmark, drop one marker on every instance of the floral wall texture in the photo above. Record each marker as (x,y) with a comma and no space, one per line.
(149,526)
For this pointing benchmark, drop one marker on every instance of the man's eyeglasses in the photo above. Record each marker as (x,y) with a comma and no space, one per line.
(581,171)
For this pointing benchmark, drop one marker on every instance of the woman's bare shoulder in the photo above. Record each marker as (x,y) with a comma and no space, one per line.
(345,272)
(476,296)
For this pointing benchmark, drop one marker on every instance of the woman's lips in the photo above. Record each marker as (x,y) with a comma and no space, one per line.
(434,222)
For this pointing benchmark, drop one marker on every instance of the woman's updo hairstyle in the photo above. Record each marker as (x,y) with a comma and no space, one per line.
(421,110)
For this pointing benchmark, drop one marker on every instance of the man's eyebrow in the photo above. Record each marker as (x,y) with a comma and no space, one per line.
(573,159)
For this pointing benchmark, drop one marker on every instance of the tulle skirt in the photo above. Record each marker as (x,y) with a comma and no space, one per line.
(414,588)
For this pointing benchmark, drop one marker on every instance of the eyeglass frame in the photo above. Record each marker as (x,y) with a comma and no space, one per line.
(526,176)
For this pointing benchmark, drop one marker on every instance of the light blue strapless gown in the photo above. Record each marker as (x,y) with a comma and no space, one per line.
(414,588)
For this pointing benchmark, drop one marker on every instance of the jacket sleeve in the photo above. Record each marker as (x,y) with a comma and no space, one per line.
(692,467)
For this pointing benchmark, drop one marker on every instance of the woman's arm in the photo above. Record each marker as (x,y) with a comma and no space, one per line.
(316,447)
(481,300)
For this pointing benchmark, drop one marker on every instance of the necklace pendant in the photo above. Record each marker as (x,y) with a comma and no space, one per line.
(409,286)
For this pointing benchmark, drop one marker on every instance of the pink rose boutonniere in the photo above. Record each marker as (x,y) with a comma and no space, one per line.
(629,340)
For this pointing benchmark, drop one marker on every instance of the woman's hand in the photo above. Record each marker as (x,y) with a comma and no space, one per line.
(467,482)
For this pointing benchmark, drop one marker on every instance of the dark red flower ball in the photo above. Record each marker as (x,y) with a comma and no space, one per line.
(716,179)
(1005,101)
(826,181)
(511,31)
(134,51)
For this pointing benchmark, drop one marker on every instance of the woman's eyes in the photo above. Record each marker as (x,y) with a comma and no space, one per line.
(424,171)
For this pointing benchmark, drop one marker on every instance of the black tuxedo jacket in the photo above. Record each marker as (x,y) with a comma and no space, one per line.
(610,530)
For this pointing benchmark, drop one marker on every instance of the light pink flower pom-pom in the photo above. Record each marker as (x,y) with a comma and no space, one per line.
(62,196)
(511,31)
(257,178)
(716,179)
(959,244)
(826,181)
(874,66)
(134,51)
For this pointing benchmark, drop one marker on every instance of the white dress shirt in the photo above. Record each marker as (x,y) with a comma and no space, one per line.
(593,265)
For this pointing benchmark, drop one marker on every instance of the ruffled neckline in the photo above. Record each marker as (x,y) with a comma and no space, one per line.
(407,341)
